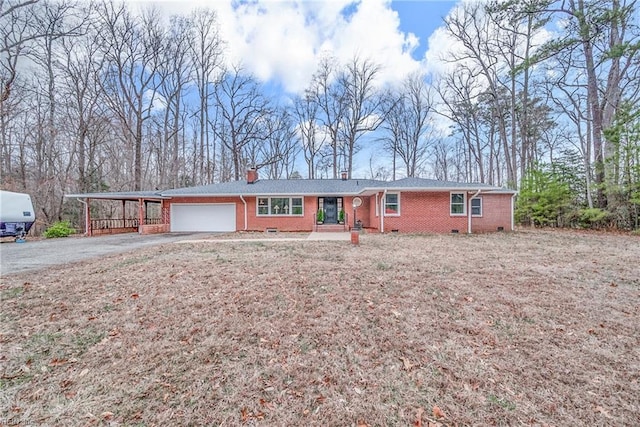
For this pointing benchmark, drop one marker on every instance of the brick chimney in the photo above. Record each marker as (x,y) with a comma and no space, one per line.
(343,174)
(252,175)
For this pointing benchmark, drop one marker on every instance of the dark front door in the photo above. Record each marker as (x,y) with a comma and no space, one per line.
(330,210)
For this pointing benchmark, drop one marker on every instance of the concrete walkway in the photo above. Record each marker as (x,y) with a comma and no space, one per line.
(314,235)
(343,235)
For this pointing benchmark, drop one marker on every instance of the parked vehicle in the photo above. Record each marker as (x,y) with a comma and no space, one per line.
(16,214)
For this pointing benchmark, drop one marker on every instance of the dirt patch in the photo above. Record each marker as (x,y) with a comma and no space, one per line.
(533,328)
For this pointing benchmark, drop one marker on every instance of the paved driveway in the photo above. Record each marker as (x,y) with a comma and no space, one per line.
(37,254)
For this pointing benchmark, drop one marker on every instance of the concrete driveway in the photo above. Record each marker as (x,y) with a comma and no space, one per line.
(37,254)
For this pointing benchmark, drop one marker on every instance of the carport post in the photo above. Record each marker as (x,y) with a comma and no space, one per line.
(124,213)
(140,215)
(87,217)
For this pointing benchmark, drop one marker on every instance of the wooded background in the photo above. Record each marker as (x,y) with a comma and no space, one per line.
(95,97)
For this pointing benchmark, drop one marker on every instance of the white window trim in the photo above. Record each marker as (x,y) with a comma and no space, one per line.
(464,203)
(377,205)
(269,214)
(384,204)
(481,207)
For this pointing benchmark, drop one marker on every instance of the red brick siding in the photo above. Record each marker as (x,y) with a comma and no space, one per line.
(261,223)
(496,212)
(425,212)
(154,228)
(419,212)
(362,212)
(429,212)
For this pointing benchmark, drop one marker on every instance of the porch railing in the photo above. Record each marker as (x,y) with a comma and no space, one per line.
(120,223)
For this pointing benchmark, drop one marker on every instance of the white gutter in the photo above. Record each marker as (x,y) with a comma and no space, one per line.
(86,216)
(245,212)
(469,211)
(383,201)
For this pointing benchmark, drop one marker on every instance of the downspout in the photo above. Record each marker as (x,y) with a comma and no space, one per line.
(469,211)
(383,200)
(513,203)
(87,232)
(245,212)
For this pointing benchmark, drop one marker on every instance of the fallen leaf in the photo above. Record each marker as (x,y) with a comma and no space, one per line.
(244,413)
(437,412)
(406,364)
(362,424)
(135,296)
(418,421)
(266,404)
(602,411)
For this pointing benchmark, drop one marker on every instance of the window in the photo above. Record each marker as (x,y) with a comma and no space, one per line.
(392,204)
(296,206)
(279,206)
(457,204)
(263,206)
(476,206)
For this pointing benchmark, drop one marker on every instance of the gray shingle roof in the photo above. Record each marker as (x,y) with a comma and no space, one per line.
(299,187)
(280,187)
(325,187)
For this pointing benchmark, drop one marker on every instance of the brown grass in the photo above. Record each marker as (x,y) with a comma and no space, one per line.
(528,328)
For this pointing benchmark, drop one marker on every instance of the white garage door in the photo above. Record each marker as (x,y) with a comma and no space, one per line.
(203,217)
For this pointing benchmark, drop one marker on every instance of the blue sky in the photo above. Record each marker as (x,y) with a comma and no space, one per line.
(281,42)
(421,18)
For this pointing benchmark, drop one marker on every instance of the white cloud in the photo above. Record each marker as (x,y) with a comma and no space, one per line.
(283,40)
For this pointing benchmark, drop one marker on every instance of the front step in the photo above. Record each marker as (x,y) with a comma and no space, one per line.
(331,228)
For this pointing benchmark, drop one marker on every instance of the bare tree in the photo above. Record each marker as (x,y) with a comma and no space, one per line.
(330,99)
(278,150)
(309,133)
(130,79)
(81,95)
(603,30)
(175,71)
(363,107)
(242,111)
(206,56)
(407,123)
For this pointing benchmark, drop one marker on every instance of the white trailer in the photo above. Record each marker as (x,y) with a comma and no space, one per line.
(16,214)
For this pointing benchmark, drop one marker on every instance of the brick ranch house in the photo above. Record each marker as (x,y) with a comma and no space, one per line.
(406,205)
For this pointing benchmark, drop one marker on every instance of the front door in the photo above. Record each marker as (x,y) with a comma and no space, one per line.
(330,210)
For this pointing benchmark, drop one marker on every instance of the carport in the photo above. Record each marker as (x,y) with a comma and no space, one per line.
(141,211)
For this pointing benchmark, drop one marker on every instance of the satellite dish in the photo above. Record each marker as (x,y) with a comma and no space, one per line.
(357,201)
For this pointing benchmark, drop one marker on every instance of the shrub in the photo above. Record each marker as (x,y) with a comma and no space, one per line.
(59,229)
(594,218)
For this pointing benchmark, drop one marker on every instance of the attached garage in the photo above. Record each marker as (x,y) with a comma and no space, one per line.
(203,217)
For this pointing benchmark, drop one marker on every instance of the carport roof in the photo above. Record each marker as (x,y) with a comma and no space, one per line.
(120,195)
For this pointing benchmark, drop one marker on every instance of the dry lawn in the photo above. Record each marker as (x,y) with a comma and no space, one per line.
(528,328)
